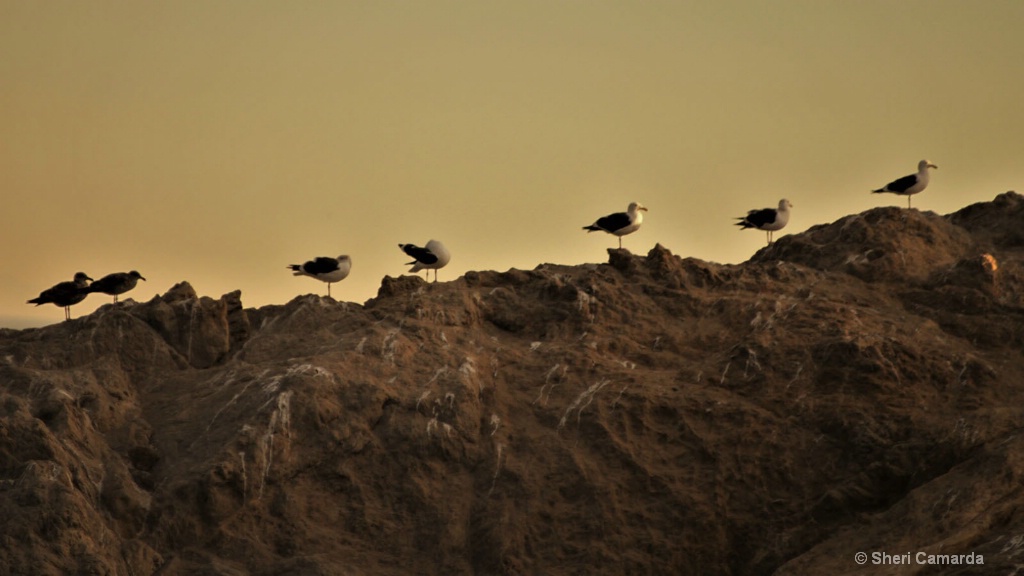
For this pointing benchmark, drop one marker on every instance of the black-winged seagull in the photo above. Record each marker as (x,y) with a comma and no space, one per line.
(767,219)
(116,283)
(909,185)
(620,223)
(430,257)
(325,269)
(65,294)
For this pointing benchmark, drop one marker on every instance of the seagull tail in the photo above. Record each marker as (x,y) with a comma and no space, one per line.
(591,228)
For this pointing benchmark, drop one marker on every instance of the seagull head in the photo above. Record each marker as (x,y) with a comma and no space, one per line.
(634,206)
(135,274)
(785,204)
(924,165)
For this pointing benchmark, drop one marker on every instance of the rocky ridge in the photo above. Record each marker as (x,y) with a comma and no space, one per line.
(856,387)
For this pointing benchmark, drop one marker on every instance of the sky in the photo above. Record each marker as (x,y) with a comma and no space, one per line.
(218,141)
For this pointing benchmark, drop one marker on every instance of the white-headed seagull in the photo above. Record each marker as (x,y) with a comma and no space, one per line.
(65,294)
(325,269)
(767,219)
(430,257)
(911,184)
(620,223)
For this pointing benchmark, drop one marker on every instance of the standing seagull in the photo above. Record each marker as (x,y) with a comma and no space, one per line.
(620,223)
(65,294)
(116,283)
(909,185)
(767,219)
(431,257)
(324,269)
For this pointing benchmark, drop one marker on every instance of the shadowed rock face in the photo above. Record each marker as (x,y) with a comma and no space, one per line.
(852,388)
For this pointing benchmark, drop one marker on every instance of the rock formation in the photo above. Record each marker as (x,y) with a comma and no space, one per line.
(856,387)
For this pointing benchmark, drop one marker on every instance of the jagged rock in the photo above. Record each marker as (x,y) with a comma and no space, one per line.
(197,328)
(402,285)
(995,223)
(882,244)
(180,292)
(239,328)
(622,260)
(852,388)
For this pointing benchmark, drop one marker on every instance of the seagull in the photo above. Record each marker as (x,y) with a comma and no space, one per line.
(767,219)
(324,269)
(116,283)
(65,294)
(909,185)
(431,257)
(620,223)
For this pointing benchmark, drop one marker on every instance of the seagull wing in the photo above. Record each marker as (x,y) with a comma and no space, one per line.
(108,282)
(758,218)
(320,265)
(900,184)
(611,223)
(422,255)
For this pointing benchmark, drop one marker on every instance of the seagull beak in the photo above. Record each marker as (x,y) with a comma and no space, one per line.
(933,166)
(644,208)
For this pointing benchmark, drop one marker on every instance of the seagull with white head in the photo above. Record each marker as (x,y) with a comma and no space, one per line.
(767,219)
(324,269)
(620,223)
(911,184)
(430,257)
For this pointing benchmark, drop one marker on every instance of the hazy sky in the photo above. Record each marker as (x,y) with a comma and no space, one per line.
(219,141)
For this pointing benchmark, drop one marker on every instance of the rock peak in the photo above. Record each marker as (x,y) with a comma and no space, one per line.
(841,386)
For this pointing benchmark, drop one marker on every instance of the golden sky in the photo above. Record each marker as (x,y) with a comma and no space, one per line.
(218,141)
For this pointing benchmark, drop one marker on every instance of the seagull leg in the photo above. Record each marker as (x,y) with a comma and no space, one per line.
(328,289)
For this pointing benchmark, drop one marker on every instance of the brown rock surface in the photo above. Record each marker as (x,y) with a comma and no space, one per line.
(853,388)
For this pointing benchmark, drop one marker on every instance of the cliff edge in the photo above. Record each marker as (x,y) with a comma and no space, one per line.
(854,388)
